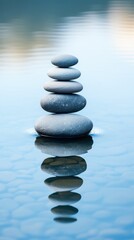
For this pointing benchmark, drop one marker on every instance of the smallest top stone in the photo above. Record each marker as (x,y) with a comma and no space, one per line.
(64,61)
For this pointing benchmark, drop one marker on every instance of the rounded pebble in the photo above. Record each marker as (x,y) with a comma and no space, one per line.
(64,61)
(63,103)
(64,74)
(63,86)
(63,125)
(64,166)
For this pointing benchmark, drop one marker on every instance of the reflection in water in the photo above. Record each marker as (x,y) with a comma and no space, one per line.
(101,34)
(29,35)
(68,183)
(64,147)
(64,210)
(65,197)
(30,24)
(65,219)
(64,167)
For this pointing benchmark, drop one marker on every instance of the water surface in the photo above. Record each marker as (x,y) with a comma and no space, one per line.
(96,200)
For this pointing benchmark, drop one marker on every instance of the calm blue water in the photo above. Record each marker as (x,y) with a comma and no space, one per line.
(98,203)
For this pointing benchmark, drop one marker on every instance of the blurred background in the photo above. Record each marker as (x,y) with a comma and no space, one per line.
(101,34)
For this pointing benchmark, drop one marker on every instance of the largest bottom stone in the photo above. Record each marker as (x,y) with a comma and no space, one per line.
(63,125)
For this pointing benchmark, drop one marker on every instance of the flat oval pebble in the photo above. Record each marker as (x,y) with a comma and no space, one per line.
(63,103)
(63,125)
(64,166)
(63,86)
(64,74)
(64,61)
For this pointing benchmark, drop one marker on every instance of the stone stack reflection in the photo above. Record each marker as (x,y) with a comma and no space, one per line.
(64,165)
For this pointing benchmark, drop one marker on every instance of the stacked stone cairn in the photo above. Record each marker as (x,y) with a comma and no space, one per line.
(63,101)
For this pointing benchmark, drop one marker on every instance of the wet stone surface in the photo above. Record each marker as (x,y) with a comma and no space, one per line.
(63,103)
(63,125)
(64,74)
(64,60)
(63,86)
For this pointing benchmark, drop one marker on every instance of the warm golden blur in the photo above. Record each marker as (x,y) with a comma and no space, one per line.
(22,37)
(122,29)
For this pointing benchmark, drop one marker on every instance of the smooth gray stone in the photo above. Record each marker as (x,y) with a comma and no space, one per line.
(64,166)
(63,125)
(63,86)
(63,103)
(64,147)
(66,197)
(64,74)
(64,61)
(66,210)
(64,183)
